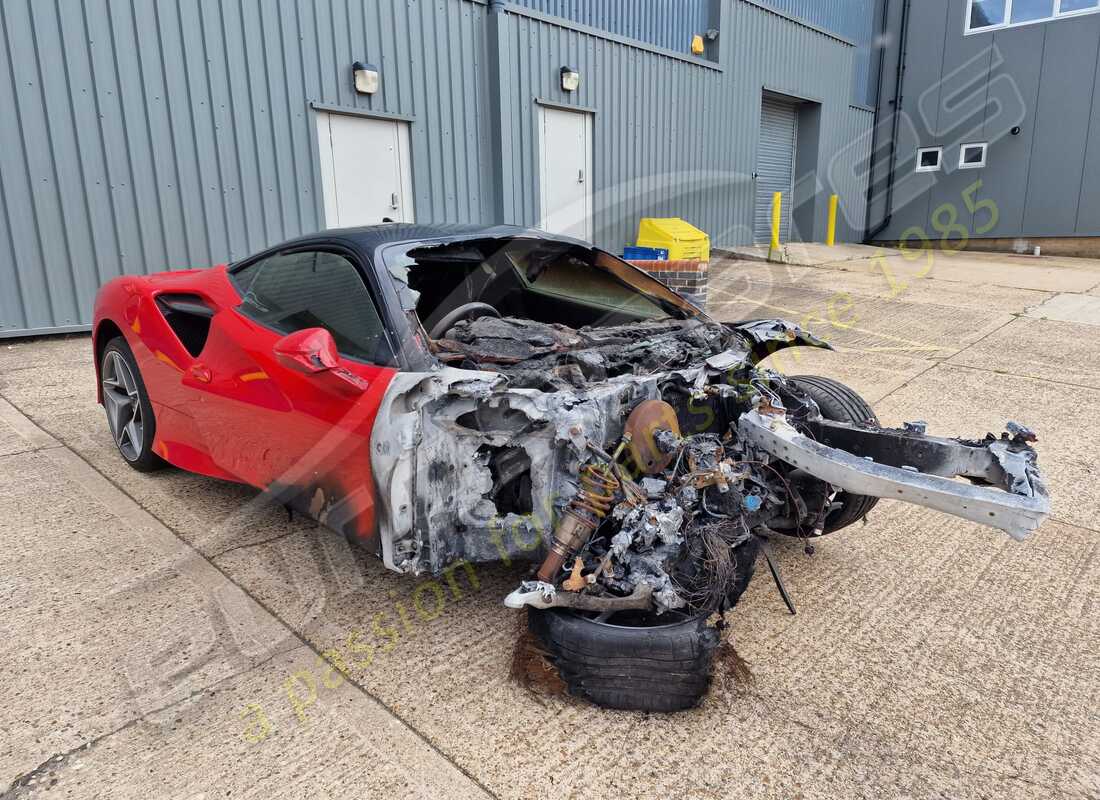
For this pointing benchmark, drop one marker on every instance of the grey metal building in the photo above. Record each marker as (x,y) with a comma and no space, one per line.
(997,135)
(142,135)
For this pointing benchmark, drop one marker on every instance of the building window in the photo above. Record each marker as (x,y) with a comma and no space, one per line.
(985,15)
(1031,10)
(929,159)
(972,156)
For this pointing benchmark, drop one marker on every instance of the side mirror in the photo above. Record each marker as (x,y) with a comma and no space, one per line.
(308,351)
(312,351)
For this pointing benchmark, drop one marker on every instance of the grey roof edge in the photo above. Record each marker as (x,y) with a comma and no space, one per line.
(801,22)
(562,22)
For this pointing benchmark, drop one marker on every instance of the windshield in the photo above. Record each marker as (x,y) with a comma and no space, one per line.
(527,278)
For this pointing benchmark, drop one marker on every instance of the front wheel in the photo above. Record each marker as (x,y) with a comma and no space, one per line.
(840,403)
(129,412)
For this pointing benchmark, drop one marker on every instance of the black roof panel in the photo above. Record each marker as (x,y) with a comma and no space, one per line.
(370,237)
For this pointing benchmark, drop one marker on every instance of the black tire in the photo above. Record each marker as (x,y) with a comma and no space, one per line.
(142,458)
(840,403)
(645,667)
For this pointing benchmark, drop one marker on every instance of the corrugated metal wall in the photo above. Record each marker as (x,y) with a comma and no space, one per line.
(142,135)
(847,169)
(151,134)
(676,138)
(663,23)
(852,19)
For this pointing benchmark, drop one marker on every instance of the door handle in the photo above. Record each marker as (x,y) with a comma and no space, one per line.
(393,200)
(349,381)
(580,176)
(201,373)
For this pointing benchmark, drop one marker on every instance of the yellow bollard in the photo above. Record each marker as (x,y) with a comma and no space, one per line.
(777,209)
(830,236)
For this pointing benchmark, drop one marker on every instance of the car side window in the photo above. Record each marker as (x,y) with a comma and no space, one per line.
(315,289)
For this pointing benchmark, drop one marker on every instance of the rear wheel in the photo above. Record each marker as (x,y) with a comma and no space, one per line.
(129,412)
(840,403)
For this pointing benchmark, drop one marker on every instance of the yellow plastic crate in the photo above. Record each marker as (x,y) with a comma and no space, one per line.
(682,239)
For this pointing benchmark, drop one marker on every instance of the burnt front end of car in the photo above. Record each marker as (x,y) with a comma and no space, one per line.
(557,453)
(470,469)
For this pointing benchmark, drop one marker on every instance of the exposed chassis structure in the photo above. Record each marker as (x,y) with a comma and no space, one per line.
(922,471)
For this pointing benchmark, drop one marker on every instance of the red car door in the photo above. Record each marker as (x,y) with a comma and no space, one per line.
(286,390)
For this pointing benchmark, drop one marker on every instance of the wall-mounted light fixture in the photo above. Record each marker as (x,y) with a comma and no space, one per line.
(570,79)
(367,79)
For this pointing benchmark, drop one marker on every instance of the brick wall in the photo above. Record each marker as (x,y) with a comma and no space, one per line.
(689,278)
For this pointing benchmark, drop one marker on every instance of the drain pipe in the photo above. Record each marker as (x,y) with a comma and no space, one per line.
(880,41)
(899,81)
(496,76)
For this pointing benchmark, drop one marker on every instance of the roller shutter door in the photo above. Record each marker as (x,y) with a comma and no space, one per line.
(775,166)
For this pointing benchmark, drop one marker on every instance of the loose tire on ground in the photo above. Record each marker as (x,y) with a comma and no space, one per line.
(658,667)
(840,403)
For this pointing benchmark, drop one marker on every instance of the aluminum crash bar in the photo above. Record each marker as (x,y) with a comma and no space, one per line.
(1015,499)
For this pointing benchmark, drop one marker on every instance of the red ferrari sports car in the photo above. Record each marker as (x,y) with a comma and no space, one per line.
(448,395)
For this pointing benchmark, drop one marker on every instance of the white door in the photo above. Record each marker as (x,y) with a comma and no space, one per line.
(565,172)
(365,170)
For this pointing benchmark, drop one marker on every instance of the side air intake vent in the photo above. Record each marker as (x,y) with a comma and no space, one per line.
(188,316)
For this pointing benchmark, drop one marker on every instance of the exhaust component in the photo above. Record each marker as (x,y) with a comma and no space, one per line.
(580,518)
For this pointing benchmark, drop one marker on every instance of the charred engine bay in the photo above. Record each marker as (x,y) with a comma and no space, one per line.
(666,521)
(645,463)
(551,357)
(669,521)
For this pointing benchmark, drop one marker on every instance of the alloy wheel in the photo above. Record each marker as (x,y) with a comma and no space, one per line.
(123,404)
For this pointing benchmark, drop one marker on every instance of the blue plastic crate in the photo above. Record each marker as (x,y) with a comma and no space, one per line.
(633,253)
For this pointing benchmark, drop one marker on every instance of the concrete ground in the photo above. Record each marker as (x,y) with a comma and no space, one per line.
(170,635)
